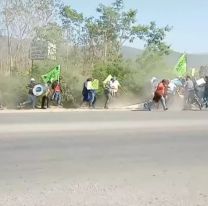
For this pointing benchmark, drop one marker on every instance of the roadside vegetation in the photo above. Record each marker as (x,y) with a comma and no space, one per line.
(86,46)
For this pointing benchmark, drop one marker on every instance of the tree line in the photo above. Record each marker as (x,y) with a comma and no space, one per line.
(86,45)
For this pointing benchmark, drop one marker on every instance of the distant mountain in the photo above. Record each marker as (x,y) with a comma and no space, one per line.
(193,60)
(130,52)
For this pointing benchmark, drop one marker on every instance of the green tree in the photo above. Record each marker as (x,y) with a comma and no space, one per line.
(21,18)
(51,32)
(105,35)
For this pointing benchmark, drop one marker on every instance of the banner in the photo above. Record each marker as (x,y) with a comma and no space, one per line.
(200,82)
(181,66)
(107,79)
(95,84)
(53,75)
(193,71)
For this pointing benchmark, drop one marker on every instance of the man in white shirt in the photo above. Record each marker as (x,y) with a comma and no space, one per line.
(172,88)
(111,89)
(114,85)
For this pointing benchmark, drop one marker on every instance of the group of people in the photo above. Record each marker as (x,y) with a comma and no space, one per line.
(51,91)
(90,96)
(164,90)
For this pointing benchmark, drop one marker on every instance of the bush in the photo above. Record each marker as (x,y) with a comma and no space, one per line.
(13,90)
(117,69)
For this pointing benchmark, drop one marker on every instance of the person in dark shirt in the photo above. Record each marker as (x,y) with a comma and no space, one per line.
(88,93)
(31,97)
(206,92)
(46,96)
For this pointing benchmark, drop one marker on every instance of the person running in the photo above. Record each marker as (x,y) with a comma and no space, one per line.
(188,90)
(110,90)
(88,93)
(160,95)
(190,96)
(31,97)
(114,84)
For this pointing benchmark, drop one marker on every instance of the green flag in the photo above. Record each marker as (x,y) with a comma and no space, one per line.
(181,66)
(53,75)
(109,77)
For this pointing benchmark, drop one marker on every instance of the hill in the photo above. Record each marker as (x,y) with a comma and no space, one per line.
(193,60)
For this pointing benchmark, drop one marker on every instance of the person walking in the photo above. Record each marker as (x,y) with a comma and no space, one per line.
(110,90)
(46,96)
(189,91)
(88,93)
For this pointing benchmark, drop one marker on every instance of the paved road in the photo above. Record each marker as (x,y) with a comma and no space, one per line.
(99,158)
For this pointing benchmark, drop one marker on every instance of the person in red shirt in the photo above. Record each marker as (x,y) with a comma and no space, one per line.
(57,92)
(160,94)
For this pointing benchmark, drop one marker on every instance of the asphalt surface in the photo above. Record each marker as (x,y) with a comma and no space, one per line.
(104,158)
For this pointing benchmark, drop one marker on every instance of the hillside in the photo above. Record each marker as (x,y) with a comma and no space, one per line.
(194,60)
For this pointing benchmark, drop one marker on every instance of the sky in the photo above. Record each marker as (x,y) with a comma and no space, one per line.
(187,17)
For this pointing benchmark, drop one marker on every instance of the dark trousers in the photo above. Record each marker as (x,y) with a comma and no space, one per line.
(45,99)
(189,96)
(108,97)
(89,96)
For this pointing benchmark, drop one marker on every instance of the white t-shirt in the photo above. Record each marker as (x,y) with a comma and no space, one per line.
(88,85)
(114,85)
(172,88)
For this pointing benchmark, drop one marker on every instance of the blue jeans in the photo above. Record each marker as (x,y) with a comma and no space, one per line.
(57,97)
(31,101)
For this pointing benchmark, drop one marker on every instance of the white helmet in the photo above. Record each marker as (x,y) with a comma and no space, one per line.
(32,80)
